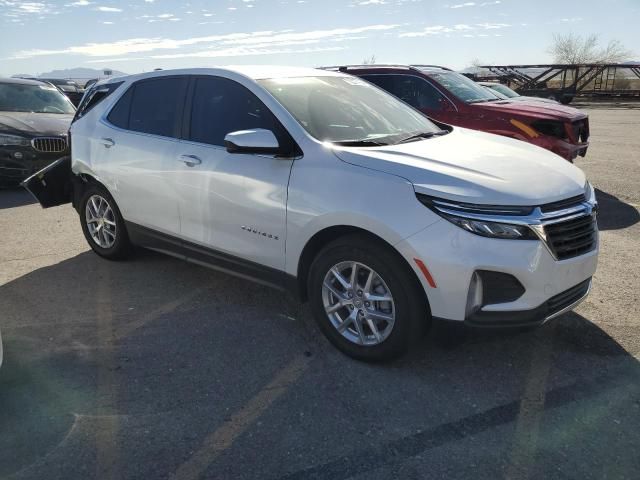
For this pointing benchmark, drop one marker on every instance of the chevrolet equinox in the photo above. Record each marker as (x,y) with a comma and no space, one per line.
(326,185)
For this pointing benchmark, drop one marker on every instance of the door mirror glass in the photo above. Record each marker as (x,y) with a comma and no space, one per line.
(257,140)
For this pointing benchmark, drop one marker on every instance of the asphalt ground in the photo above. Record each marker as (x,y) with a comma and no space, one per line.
(155,368)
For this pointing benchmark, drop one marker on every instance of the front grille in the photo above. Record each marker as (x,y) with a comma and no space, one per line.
(562,204)
(49,144)
(581,130)
(573,237)
(568,297)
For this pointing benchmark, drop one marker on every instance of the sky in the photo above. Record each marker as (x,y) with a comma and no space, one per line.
(139,35)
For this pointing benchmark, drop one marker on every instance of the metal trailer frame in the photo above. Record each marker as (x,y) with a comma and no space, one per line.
(575,80)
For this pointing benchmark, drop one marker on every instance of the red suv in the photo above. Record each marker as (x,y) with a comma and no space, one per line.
(452,98)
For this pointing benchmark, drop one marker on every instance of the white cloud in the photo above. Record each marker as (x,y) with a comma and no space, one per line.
(165,15)
(108,9)
(474,4)
(32,7)
(462,5)
(244,51)
(79,3)
(372,2)
(461,27)
(248,41)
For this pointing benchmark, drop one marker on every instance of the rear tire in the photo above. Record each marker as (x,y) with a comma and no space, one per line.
(378,315)
(102,223)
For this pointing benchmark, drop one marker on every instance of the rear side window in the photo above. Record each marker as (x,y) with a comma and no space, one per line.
(151,106)
(413,90)
(119,115)
(221,106)
(93,97)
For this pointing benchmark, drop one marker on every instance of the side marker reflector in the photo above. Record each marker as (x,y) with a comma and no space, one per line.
(425,271)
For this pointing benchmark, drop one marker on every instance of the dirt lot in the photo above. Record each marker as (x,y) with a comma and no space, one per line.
(154,368)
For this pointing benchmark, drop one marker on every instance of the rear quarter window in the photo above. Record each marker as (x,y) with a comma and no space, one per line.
(151,106)
(93,97)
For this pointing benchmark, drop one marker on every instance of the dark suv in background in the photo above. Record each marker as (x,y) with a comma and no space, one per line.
(449,97)
(34,121)
(70,88)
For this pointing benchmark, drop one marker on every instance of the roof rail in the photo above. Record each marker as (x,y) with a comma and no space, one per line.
(344,68)
(417,65)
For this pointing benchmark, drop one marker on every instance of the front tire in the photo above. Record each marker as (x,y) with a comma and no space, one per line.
(102,224)
(366,299)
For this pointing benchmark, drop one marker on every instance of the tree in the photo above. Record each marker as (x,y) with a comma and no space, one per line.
(369,60)
(571,49)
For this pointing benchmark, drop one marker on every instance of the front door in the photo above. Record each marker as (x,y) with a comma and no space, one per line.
(233,203)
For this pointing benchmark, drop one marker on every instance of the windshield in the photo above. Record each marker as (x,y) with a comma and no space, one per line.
(504,90)
(16,97)
(347,109)
(462,87)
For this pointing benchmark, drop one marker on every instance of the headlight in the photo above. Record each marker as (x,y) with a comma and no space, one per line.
(467,216)
(13,140)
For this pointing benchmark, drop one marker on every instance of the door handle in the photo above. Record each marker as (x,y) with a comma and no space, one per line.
(107,142)
(190,160)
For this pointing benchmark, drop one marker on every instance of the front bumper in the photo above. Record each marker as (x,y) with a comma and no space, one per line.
(453,256)
(14,170)
(567,150)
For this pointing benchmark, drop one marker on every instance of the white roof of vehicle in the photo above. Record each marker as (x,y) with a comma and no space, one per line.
(255,72)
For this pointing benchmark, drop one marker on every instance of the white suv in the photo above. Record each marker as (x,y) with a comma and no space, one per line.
(323,184)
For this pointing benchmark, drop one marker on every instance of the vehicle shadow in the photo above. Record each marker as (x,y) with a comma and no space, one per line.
(152,366)
(15,197)
(614,214)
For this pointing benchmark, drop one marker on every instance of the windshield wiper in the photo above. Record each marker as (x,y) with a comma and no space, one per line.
(359,143)
(420,136)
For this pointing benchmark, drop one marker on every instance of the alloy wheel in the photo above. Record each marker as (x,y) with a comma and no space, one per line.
(358,303)
(101,221)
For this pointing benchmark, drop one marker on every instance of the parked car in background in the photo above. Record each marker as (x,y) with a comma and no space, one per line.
(34,120)
(452,98)
(90,83)
(277,174)
(505,92)
(70,88)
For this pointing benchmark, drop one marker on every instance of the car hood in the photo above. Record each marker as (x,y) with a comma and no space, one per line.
(35,123)
(475,167)
(524,98)
(532,108)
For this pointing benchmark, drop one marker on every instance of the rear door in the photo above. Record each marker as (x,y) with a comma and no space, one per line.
(133,151)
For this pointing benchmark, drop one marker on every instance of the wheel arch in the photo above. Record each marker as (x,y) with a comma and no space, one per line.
(329,234)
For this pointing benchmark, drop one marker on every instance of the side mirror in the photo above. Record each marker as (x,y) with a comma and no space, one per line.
(257,140)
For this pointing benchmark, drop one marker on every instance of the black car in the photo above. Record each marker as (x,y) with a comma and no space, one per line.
(71,89)
(34,121)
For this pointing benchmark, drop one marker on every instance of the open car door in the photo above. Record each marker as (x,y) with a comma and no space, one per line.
(52,186)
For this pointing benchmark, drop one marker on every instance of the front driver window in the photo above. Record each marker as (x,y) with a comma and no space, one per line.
(221,106)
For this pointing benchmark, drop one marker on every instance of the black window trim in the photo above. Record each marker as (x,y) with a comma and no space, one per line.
(397,74)
(294,149)
(109,88)
(179,118)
